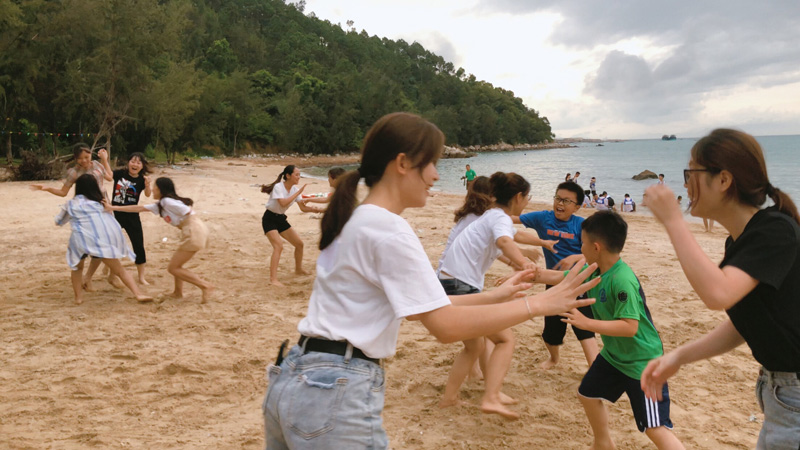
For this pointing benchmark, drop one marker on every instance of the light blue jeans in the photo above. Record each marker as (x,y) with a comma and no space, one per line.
(324,401)
(778,395)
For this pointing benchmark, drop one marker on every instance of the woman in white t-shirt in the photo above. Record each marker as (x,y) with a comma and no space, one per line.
(282,193)
(177,211)
(372,272)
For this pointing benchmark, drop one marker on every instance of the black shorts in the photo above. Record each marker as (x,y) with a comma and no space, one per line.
(606,381)
(555,330)
(273,221)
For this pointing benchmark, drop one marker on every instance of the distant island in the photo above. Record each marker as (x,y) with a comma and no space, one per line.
(671,137)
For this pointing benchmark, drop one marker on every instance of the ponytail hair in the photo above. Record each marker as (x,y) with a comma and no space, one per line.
(287,171)
(167,189)
(506,185)
(740,154)
(86,185)
(479,199)
(422,143)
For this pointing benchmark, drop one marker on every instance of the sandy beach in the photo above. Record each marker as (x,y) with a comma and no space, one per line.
(113,373)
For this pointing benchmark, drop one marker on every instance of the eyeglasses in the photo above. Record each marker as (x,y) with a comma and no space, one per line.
(687,173)
(564,201)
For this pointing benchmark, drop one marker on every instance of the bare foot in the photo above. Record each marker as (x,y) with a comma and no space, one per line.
(276,283)
(143,282)
(208,294)
(548,364)
(301,272)
(173,295)
(475,375)
(144,298)
(603,445)
(499,408)
(445,403)
(87,286)
(113,280)
(508,400)
(78,300)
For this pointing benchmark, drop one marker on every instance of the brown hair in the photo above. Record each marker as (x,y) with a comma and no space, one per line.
(421,141)
(287,171)
(741,155)
(506,185)
(479,199)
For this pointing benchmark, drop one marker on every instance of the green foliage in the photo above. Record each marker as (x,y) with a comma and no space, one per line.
(201,74)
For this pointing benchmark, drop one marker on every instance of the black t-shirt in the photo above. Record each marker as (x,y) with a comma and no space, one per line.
(769,316)
(127,189)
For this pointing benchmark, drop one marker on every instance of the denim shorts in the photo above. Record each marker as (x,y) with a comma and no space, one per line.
(778,395)
(321,400)
(454,286)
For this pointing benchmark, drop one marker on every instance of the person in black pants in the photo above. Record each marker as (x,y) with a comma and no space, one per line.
(129,184)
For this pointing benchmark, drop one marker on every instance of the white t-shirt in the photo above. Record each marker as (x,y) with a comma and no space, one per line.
(173,211)
(455,231)
(474,250)
(372,276)
(601,204)
(279,191)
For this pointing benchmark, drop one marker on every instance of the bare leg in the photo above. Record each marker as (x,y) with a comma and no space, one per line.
(590,350)
(664,438)
(598,418)
(94,263)
(127,279)
(140,270)
(294,239)
(554,357)
(277,247)
(176,269)
(461,366)
(77,283)
(496,372)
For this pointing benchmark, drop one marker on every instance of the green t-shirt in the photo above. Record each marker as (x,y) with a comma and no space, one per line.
(620,296)
(470,175)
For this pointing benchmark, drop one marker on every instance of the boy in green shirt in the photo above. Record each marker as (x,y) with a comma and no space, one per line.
(630,339)
(469,177)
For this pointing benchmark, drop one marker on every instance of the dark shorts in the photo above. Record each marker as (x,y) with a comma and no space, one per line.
(454,286)
(272,221)
(555,330)
(606,381)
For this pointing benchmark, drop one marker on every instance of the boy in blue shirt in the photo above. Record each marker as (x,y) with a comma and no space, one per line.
(563,225)
(630,339)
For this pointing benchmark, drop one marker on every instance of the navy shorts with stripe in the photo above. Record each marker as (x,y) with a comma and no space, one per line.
(606,381)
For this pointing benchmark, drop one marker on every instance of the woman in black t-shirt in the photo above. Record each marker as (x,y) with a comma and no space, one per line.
(129,184)
(757,283)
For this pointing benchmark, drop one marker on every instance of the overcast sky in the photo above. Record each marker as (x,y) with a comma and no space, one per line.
(613,68)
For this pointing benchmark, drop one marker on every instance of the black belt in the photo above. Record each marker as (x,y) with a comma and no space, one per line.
(332,347)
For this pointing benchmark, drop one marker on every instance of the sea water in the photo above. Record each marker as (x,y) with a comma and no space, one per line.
(613,164)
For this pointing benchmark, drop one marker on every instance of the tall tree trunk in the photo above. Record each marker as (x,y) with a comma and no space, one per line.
(9,153)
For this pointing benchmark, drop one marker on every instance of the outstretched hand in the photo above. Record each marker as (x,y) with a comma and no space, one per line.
(656,374)
(514,285)
(550,245)
(575,318)
(107,206)
(563,296)
(102,154)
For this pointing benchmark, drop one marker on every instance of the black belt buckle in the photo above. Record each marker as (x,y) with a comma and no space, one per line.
(281,352)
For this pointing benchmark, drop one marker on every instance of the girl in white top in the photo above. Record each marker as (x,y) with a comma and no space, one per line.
(372,272)
(177,211)
(94,233)
(100,171)
(282,193)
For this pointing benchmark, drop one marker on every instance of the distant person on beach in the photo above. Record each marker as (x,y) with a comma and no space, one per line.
(178,212)
(630,339)
(708,224)
(561,223)
(463,271)
(568,177)
(587,199)
(680,200)
(372,273)
(100,170)
(757,283)
(575,178)
(94,233)
(282,193)
(593,187)
(611,203)
(661,179)
(130,183)
(601,203)
(469,177)
(333,176)
(628,205)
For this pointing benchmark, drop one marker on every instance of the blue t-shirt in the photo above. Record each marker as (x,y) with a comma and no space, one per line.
(568,234)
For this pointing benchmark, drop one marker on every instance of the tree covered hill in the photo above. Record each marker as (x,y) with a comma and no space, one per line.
(210,75)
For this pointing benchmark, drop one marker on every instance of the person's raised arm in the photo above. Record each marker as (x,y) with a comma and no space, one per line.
(512,252)
(516,220)
(108,174)
(128,208)
(284,202)
(567,262)
(305,208)
(619,327)
(457,323)
(61,192)
(526,237)
(721,340)
(718,288)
